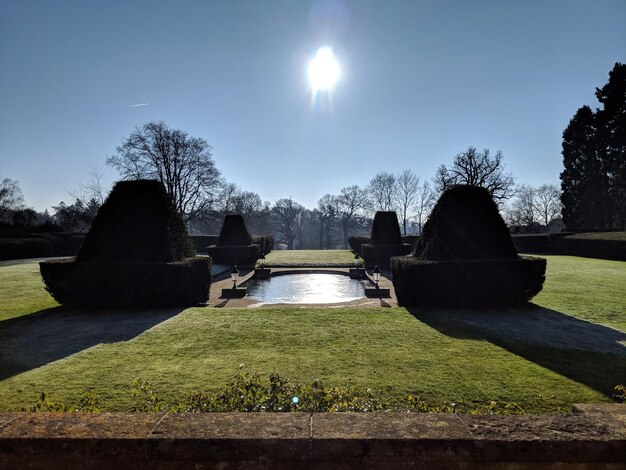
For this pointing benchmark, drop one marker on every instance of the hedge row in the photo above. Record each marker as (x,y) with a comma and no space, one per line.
(467,283)
(202,242)
(40,246)
(579,245)
(128,284)
(610,245)
(356,242)
(265,242)
(234,255)
(381,254)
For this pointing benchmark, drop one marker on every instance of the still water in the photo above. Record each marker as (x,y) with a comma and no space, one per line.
(306,289)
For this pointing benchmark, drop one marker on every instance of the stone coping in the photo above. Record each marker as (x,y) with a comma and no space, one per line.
(224,282)
(594,436)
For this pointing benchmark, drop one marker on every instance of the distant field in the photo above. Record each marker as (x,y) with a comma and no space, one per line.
(601,236)
(310,257)
(568,347)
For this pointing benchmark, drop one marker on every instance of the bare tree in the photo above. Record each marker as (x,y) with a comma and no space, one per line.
(547,203)
(350,201)
(405,194)
(92,190)
(11,198)
(521,211)
(477,169)
(381,189)
(424,201)
(287,221)
(182,163)
(326,213)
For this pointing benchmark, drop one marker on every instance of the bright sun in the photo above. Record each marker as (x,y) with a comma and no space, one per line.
(323,70)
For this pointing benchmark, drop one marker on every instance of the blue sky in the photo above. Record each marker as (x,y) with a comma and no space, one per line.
(421,81)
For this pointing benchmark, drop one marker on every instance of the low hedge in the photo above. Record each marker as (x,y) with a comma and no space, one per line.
(381,254)
(41,246)
(596,245)
(235,255)
(95,284)
(201,242)
(536,243)
(265,242)
(467,283)
(410,240)
(356,242)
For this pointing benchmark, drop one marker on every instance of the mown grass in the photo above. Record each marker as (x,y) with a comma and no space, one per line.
(310,257)
(396,352)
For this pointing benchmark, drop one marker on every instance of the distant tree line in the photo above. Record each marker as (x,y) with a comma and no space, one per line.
(186,168)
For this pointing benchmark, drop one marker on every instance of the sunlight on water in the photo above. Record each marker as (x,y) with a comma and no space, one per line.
(306,289)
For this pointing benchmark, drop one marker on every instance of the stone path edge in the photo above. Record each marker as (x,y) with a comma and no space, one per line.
(593,435)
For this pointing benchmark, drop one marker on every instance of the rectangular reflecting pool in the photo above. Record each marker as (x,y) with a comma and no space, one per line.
(306,288)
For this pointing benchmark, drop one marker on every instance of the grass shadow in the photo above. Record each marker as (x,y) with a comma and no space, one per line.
(42,337)
(588,353)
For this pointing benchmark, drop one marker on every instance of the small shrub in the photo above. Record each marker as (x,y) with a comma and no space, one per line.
(620,393)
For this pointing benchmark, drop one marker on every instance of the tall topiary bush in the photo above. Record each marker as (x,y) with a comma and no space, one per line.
(235,245)
(385,240)
(466,257)
(137,253)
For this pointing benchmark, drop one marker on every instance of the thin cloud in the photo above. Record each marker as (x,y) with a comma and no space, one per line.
(136,105)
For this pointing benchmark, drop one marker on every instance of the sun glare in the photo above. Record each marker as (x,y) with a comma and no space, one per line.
(323,70)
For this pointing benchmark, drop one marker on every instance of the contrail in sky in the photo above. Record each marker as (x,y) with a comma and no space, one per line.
(136,105)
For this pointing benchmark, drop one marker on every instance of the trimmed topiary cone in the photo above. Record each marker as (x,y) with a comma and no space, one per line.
(136,254)
(137,222)
(235,244)
(465,224)
(234,232)
(385,241)
(466,257)
(385,229)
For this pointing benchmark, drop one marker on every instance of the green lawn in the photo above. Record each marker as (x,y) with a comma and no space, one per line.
(568,347)
(310,257)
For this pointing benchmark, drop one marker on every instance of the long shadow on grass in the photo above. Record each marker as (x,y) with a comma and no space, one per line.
(37,339)
(588,353)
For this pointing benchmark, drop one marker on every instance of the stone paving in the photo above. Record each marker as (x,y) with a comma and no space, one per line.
(224,281)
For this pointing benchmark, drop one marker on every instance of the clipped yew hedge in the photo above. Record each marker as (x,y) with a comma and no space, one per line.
(129,284)
(466,257)
(235,255)
(136,254)
(235,244)
(467,283)
(356,243)
(381,254)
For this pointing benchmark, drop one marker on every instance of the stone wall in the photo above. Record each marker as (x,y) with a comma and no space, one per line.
(591,437)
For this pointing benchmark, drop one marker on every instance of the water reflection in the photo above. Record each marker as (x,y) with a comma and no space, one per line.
(306,289)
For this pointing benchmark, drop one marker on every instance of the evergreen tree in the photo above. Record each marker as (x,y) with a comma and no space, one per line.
(611,136)
(583,181)
(594,158)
